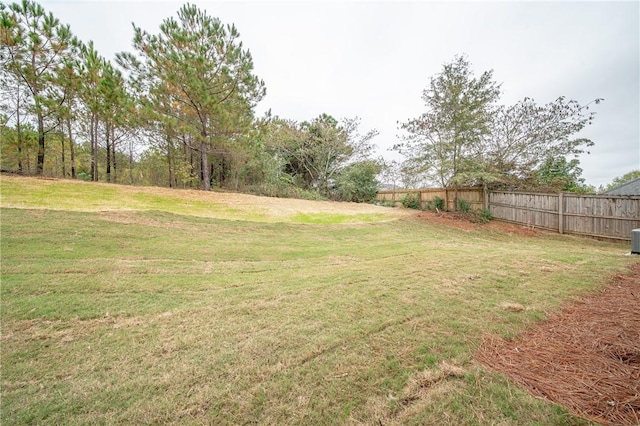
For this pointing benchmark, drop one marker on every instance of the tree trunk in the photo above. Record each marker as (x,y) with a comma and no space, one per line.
(222,175)
(40,167)
(107,134)
(64,162)
(20,165)
(170,161)
(94,161)
(204,167)
(192,161)
(485,194)
(19,131)
(96,170)
(72,150)
(455,197)
(113,154)
(455,175)
(131,162)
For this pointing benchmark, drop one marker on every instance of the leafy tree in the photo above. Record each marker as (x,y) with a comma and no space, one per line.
(17,146)
(412,176)
(621,180)
(360,144)
(151,167)
(526,136)
(314,153)
(323,151)
(91,71)
(443,142)
(358,182)
(390,174)
(34,45)
(197,79)
(69,81)
(278,163)
(464,138)
(558,174)
(116,112)
(15,119)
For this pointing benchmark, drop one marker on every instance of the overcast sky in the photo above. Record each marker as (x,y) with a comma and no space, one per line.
(372,59)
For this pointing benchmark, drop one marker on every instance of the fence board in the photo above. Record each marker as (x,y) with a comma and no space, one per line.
(601,216)
(475,196)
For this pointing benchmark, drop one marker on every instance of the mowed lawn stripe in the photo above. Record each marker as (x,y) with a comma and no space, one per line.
(158,317)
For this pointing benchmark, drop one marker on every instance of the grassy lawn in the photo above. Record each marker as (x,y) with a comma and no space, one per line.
(123,306)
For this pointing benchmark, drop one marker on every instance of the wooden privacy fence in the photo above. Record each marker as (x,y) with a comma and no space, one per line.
(602,216)
(474,196)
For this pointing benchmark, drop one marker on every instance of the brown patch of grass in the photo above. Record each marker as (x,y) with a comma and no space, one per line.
(420,384)
(418,393)
(513,307)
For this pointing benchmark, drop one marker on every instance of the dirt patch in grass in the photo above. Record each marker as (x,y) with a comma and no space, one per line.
(468,222)
(586,358)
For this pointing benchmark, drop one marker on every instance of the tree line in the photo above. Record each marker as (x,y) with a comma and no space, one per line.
(179,111)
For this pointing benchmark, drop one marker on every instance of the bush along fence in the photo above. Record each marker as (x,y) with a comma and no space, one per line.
(431,198)
(601,216)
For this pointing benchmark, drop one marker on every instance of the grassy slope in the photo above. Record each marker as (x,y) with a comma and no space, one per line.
(91,197)
(162,316)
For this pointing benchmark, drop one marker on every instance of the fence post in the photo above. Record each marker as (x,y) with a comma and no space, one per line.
(485,195)
(560,213)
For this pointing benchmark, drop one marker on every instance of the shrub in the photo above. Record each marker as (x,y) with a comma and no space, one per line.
(464,206)
(84,176)
(358,183)
(480,216)
(283,190)
(411,201)
(439,204)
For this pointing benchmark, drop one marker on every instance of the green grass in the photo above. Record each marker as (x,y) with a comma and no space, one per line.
(157,315)
(92,197)
(336,218)
(71,195)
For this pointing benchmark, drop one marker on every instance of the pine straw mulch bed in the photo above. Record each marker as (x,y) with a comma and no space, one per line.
(586,358)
